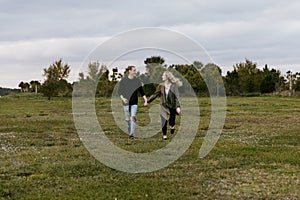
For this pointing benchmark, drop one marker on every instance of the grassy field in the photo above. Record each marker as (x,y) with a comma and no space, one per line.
(256,157)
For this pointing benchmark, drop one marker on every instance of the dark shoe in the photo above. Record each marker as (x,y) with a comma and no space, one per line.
(172,130)
(131,137)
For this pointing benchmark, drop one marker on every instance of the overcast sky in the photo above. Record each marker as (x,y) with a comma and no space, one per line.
(35,33)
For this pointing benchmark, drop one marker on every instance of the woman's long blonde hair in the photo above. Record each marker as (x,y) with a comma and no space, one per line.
(172,78)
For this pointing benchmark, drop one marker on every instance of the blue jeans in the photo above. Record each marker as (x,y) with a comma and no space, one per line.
(130,117)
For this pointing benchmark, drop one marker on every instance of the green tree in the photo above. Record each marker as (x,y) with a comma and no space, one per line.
(297,82)
(154,69)
(248,77)
(297,87)
(192,78)
(212,75)
(97,76)
(245,78)
(104,83)
(22,86)
(35,86)
(88,83)
(55,82)
(93,71)
(232,83)
(292,81)
(115,75)
(271,80)
(198,65)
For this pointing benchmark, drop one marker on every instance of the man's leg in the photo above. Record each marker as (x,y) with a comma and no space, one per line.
(127,116)
(133,110)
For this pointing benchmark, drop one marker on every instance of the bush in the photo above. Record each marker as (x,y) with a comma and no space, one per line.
(3,191)
(251,94)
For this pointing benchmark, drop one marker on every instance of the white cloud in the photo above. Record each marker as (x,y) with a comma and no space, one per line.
(44,48)
(25,60)
(35,33)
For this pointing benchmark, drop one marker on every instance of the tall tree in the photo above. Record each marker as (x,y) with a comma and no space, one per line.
(198,65)
(245,78)
(22,86)
(55,81)
(103,84)
(35,86)
(212,75)
(97,76)
(232,83)
(297,82)
(248,77)
(271,80)
(93,71)
(292,81)
(154,69)
(192,78)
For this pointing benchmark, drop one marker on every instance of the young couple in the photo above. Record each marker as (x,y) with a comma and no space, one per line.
(169,99)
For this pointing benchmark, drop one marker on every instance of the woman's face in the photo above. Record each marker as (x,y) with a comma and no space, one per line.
(164,77)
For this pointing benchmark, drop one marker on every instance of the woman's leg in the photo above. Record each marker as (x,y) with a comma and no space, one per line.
(163,125)
(172,120)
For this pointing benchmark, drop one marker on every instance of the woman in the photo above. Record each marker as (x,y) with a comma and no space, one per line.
(128,90)
(169,101)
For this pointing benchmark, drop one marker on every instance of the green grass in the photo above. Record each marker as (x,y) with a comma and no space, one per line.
(256,157)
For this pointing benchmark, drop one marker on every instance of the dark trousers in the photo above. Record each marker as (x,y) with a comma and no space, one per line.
(164,122)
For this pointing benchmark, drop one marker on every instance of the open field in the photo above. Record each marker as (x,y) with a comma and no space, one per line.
(256,157)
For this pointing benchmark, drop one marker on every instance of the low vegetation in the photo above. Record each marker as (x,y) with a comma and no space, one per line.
(256,157)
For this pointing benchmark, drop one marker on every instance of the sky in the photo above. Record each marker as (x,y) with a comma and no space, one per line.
(35,33)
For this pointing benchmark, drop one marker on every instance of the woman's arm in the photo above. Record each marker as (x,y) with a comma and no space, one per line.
(176,92)
(155,94)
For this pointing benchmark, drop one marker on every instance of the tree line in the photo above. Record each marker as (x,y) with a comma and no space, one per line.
(6,91)
(245,79)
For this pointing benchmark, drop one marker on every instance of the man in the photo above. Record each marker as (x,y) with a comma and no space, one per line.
(128,90)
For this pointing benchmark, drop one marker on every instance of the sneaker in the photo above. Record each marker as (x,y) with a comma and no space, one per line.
(165,137)
(131,137)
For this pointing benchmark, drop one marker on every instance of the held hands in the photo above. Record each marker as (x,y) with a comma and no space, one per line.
(124,100)
(146,100)
(178,110)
